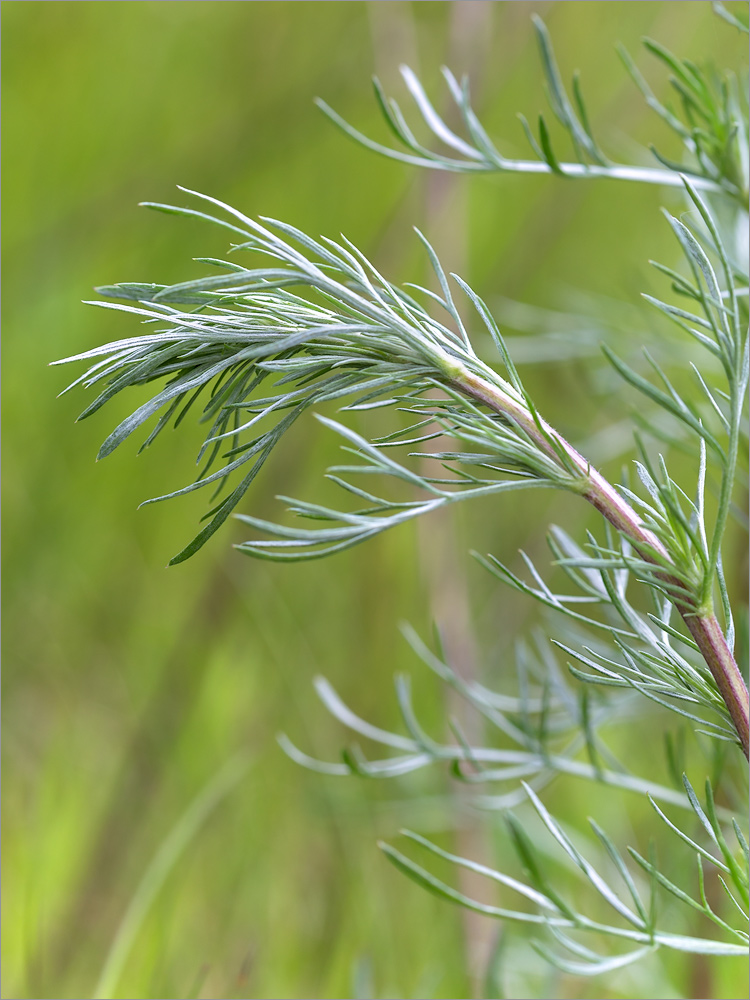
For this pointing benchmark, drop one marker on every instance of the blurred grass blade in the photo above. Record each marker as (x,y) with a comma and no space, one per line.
(162,863)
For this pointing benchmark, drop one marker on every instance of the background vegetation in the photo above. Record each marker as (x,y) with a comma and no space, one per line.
(128,688)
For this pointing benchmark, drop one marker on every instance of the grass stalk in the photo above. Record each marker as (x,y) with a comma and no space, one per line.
(162,863)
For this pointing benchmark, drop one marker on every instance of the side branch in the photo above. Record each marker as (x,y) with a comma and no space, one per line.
(704,628)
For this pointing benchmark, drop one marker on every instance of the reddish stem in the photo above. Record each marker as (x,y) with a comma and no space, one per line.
(704,628)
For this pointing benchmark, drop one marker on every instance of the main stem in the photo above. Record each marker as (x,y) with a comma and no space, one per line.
(703,627)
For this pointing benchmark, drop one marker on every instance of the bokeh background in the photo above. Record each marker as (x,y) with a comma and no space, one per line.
(146,800)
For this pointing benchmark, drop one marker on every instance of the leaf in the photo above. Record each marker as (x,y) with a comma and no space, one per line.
(722,11)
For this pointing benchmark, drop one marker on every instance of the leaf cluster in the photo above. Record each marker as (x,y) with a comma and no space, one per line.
(344,332)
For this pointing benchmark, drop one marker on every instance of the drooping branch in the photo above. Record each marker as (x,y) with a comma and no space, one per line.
(356,334)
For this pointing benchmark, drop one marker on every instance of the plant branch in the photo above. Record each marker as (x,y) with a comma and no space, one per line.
(704,627)
(360,335)
(714,151)
(498,164)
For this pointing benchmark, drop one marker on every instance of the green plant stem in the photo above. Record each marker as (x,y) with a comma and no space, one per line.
(725,497)
(491,162)
(703,627)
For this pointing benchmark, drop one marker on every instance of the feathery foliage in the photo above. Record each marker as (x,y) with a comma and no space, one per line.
(650,613)
(710,121)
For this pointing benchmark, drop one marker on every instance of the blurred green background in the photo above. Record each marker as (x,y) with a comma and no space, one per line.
(129,689)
